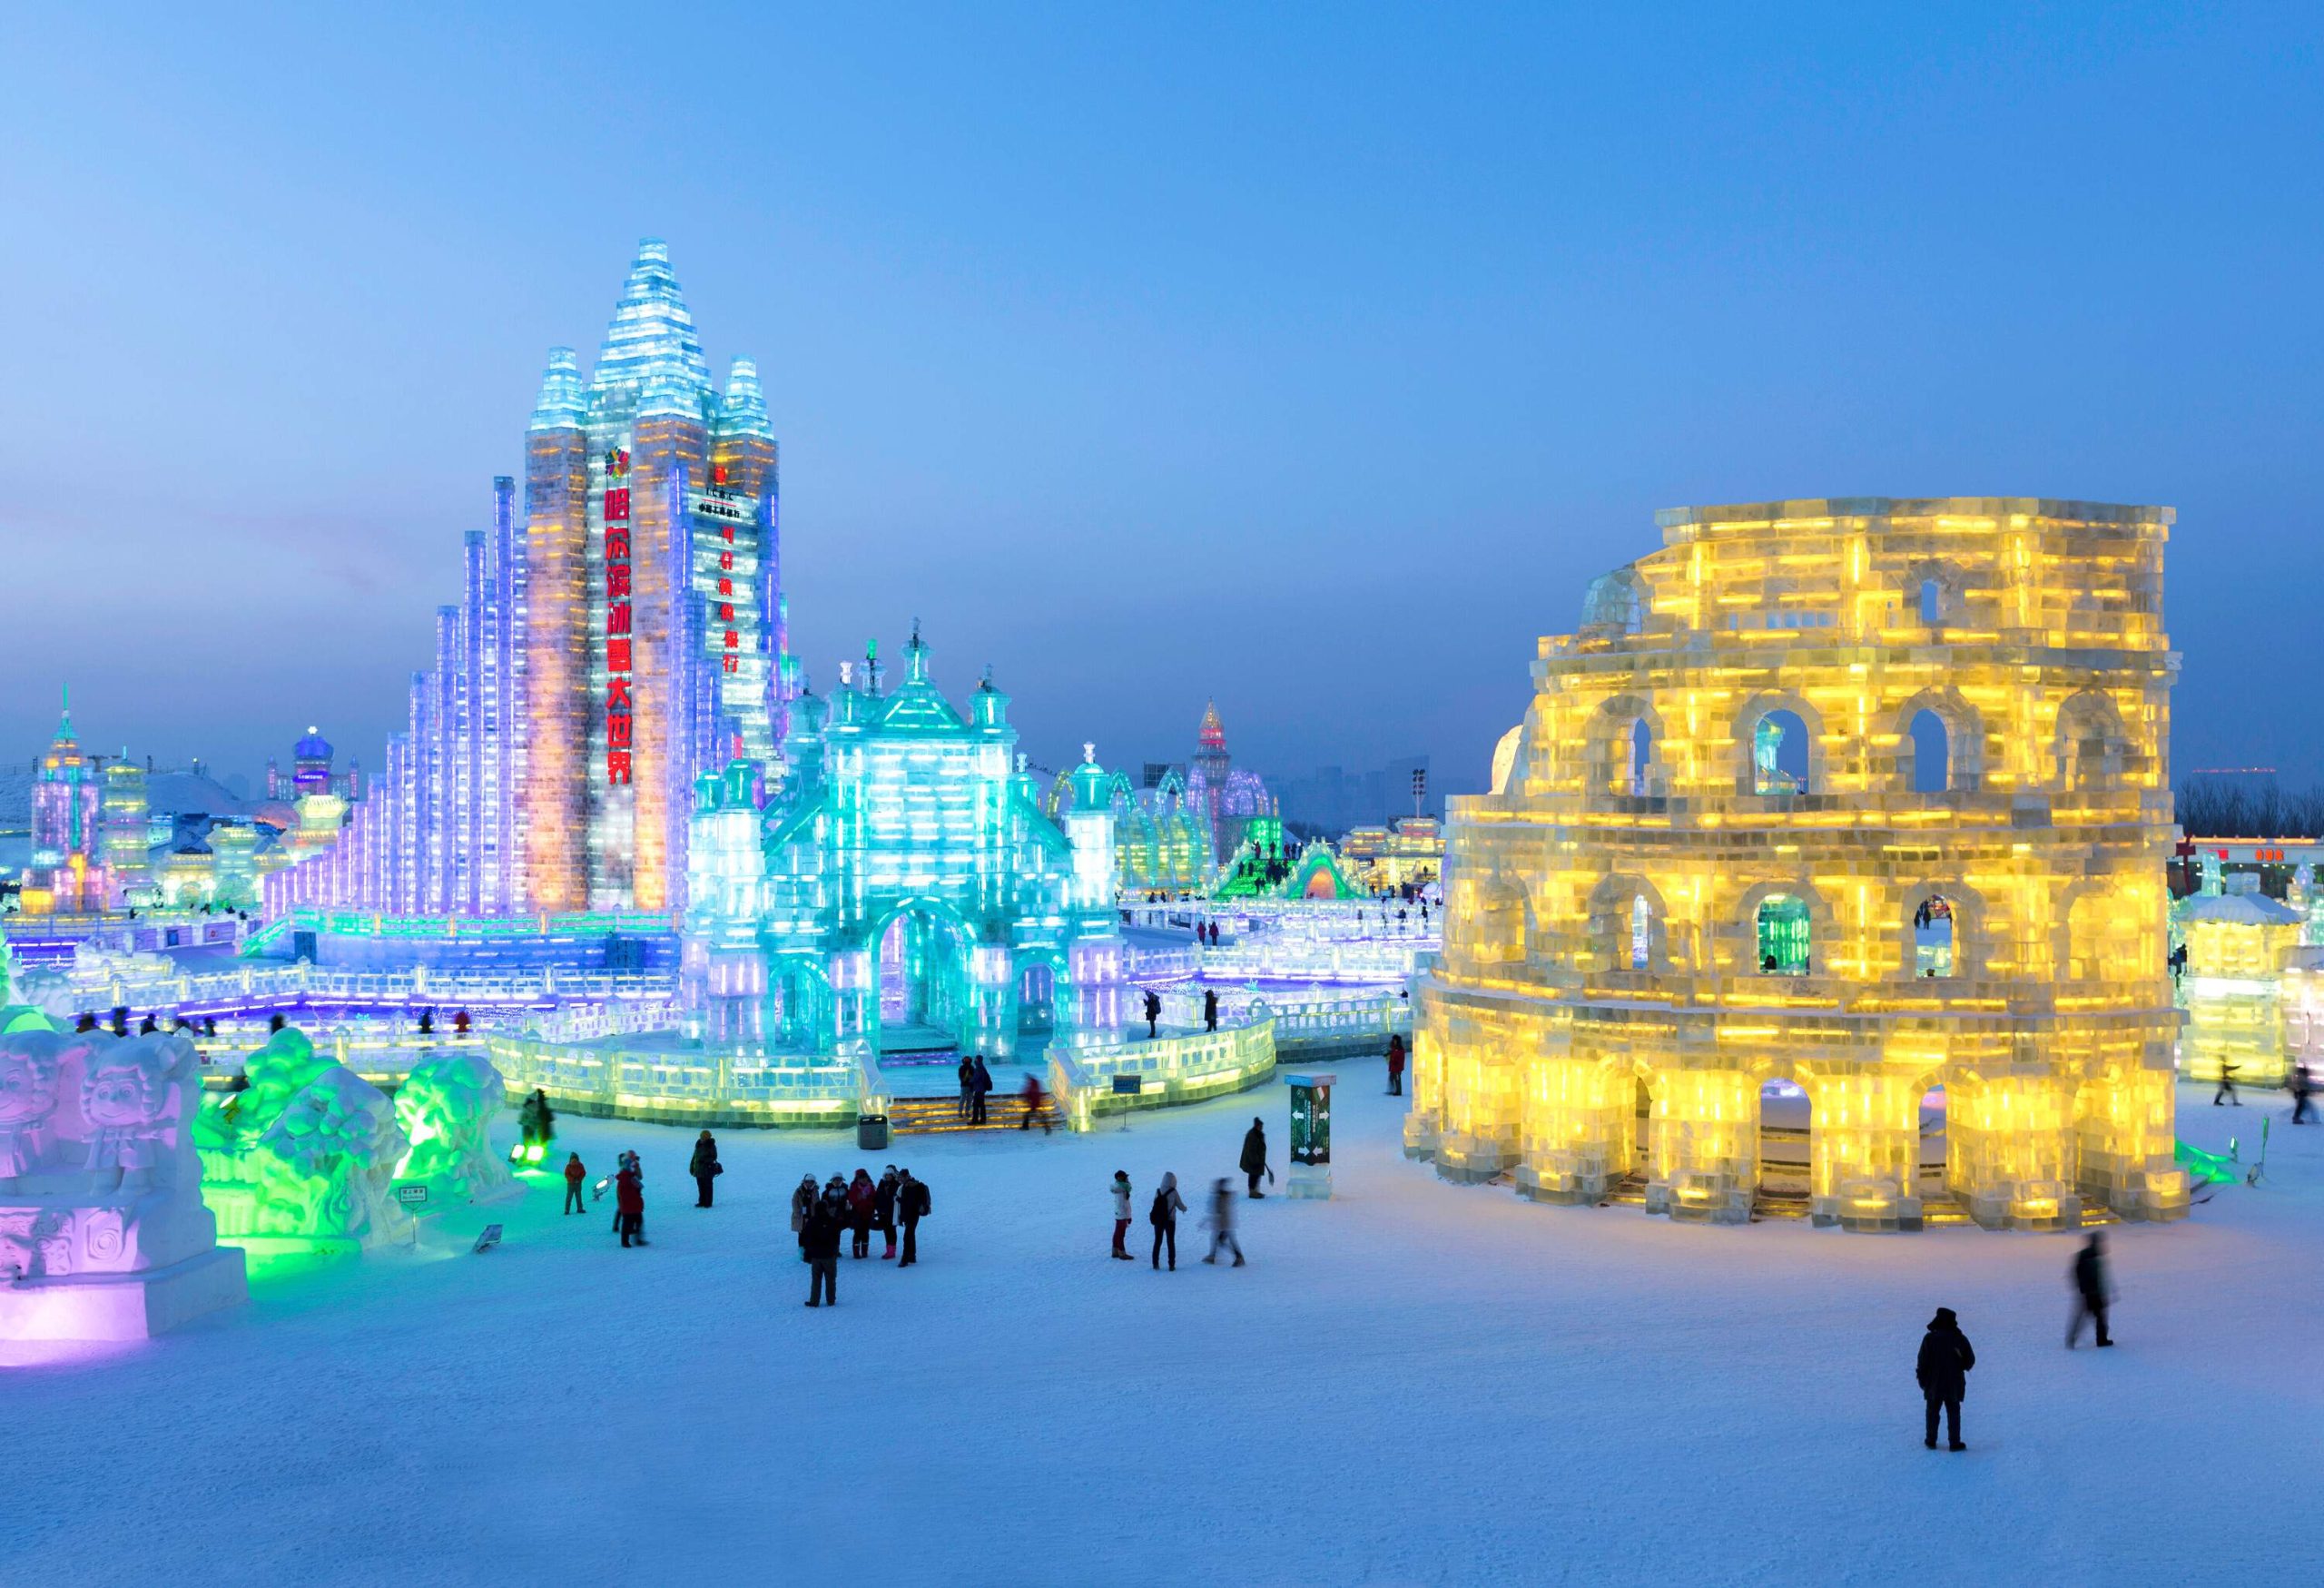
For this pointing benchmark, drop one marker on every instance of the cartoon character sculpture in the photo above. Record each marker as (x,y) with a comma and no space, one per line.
(102,1230)
(445,1107)
(304,1155)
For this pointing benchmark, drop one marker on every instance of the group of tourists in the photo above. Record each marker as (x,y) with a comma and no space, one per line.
(856,1207)
(1163,1212)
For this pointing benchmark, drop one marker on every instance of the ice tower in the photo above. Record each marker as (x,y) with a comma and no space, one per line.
(654,637)
(1868,795)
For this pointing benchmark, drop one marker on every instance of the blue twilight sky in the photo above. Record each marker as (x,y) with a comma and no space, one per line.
(1313,357)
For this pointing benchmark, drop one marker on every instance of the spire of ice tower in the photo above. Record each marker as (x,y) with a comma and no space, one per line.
(563,405)
(652,335)
(744,413)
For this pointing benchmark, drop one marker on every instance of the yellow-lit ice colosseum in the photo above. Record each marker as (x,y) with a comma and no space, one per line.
(1868,795)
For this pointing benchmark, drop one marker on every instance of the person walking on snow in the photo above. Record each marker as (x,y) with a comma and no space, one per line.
(2091,1291)
(1396,1065)
(1222,1220)
(1210,1009)
(967,1071)
(883,1209)
(802,1203)
(860,1194)
(819,1244)
(1254,1157)
(629,1204)
(2227,1085)
(983,1085)
(1164,1217)
(2303,1088)
(574,1175)
(1121,1213)
(704,1167)
(1943,1371)
(1035,1104)
(912,1205)
(1153,1013)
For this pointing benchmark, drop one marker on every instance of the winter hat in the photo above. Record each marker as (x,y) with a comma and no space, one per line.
(1121,1174)
(1943,1317)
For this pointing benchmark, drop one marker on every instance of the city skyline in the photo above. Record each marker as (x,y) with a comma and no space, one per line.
(1317,379)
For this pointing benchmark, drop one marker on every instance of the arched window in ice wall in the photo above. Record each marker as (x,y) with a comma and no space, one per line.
(1779,754)
(1783,934)
(1933,938)
(1932,754)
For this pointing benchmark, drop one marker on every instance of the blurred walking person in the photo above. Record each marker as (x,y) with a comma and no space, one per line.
(1942,1372)
(1037,1104)
(2227,1085)
(982,1085)
(1395,1064)
(2091,1293)
(1221,1221)
(1164,1217)
(968,1072)
(2303,1088)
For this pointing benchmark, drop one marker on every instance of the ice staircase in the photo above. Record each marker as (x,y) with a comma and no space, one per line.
(940,1116)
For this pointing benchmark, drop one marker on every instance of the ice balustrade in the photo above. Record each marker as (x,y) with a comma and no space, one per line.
(1173,1069)
(684,1085)
(188,992)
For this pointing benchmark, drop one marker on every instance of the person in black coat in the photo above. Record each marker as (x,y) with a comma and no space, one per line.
(883,1209)
(983,1085)
(1254,1157)
(1944,1373)
(1210,1009)
(2091,1293)
(704,1167)
(912,1205)
(819,1244)
(1153,1014)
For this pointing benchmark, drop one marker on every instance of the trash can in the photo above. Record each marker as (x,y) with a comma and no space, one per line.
(871,1132)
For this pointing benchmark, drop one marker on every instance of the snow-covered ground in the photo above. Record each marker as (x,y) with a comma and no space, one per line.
(1415,1382)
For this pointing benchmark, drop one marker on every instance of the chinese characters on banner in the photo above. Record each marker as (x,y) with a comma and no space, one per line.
(731,662)
(619,720)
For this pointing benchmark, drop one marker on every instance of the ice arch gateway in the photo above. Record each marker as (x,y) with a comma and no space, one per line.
(1630,959)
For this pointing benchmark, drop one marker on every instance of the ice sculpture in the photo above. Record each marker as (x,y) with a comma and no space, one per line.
(103,1231)
(305,1157)
(1866,795)
(445,1107)
(2237,946)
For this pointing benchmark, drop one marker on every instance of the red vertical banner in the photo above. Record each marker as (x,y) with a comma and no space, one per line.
(619,722)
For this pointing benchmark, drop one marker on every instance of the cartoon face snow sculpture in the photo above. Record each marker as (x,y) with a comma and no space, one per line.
(445,1107)
(129,1098)
(29,1067)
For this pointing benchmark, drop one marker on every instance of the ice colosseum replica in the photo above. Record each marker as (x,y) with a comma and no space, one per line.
(1868,794)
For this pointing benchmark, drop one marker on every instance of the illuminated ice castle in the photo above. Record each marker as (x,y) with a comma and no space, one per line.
(904,886)
(1866,795)
(622,636)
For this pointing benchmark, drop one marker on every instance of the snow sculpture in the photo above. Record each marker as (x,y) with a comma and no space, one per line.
(103,1231)
(1866,795)
(446,1108)
(304,1157)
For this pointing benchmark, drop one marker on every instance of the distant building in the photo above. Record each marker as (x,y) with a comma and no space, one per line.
(1333,800)
(66,871)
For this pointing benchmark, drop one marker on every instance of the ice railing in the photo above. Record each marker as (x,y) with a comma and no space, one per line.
(193,991)
(1180,1069)
(777,1087)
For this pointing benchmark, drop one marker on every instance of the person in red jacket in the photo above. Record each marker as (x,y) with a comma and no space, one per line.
(861,1195)
(574,1175)
(629,1204)
(1396,1065)
(1037,1104)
